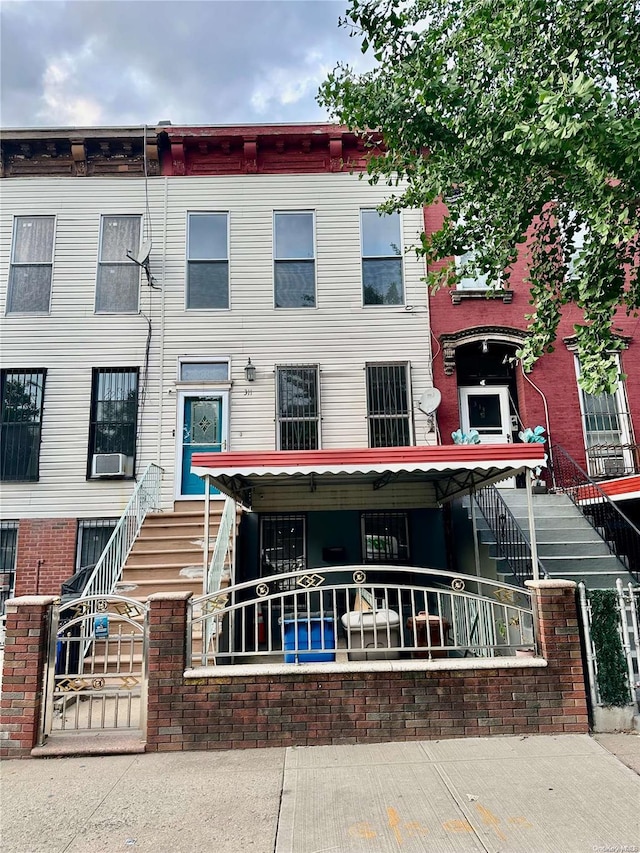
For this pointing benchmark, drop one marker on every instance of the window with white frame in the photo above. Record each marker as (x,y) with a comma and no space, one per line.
(203,371)
(382,282)
(388,412)
(298,407)
(22,393)
(208,260)
(470,282)
(118,283)
(93,536)
(606,424)
(31,265)
(114,415)
(294,259)
(385,537)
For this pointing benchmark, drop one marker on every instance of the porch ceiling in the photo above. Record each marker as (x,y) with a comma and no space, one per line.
(445,471)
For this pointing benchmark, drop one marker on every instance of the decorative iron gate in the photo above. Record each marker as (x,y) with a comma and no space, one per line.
(96,677)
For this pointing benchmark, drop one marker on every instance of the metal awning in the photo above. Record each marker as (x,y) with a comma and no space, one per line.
(445,471)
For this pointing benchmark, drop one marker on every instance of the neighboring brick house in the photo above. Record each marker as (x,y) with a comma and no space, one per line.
(475,334)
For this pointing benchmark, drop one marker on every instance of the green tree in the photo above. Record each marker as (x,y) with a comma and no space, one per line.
(524,116)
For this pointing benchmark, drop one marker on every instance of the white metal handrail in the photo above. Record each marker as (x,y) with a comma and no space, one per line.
(223,549)
(108,569)
(223,556)
(364,612)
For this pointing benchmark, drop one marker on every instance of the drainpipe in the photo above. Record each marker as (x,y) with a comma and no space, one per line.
(532,528)
(207,523)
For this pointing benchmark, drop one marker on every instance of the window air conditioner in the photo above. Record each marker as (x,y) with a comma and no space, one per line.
(109,465)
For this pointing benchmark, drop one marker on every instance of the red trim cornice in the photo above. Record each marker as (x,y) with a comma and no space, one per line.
(261,149)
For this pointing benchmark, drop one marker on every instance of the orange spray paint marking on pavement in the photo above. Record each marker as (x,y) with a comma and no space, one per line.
(394,823)
(489,819)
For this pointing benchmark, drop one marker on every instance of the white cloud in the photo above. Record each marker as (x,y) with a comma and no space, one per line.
(62,104)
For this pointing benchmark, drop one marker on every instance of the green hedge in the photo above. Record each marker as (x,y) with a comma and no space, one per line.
(613,677)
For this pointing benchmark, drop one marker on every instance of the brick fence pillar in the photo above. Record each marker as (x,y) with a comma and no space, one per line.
(25,655)
(558,633)
(166,665)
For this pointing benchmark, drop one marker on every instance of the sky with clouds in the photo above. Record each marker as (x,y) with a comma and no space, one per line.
(134,62)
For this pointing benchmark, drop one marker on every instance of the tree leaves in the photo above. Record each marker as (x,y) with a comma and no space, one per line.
(530,113)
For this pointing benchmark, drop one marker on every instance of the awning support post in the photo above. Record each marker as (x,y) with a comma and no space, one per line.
(207,523)
(532,528)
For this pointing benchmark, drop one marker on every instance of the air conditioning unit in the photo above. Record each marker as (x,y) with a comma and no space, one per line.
(110,465)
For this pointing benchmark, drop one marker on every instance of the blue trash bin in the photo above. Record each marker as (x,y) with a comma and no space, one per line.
(309,640)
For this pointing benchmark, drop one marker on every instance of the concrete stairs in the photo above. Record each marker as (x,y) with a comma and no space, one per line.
(568,546)
(168,553)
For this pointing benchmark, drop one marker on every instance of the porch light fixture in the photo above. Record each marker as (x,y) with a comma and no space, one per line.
(250,371)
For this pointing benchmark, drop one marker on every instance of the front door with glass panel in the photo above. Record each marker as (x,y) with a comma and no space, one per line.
(203,431)
(485,408)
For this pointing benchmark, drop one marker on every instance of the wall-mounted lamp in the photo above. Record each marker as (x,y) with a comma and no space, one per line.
(249,371)
(485,346)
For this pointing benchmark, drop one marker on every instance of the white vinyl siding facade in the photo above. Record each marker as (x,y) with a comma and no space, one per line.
(339,335)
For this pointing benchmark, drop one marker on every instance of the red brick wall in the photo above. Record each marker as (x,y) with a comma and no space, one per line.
(25,653)
(223,712)
(554,374)
(46,554)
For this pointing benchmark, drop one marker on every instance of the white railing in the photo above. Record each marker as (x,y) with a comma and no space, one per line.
(108,569)
(223,549)
(628,630)
(360,613)
(223,557)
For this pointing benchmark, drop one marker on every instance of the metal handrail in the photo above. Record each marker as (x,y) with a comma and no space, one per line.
(621,536)
(511,540)
(365,612)
(108,569)
(223,548)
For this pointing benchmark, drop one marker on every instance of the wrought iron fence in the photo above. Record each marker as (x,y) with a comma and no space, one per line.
(356,613)
(613,526)
(511,540)
(108,569)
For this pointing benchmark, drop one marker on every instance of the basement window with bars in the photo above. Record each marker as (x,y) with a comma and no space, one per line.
(388,404)
(282,547)
(114,417)
(21,418)
(385,537)
(93,535)
(8,552)
(298,407)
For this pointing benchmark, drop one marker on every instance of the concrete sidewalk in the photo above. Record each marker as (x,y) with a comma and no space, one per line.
(548,793)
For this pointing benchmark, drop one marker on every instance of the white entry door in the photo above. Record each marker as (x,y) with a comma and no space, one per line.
(485,408)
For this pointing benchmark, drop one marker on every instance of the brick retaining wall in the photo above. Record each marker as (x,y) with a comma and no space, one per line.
(287,705)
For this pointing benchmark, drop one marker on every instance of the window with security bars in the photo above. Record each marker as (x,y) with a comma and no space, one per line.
(298,408)
(21,424)
(385,537)
(388,405)
(294,259)
(282,546)
(8,550)
(31,265)
(207,261)
(607,430)
(381,258)
(114,412)
(93,535)
(118,281)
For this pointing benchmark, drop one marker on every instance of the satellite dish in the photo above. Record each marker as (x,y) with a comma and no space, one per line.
(142,257)
(430,401)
